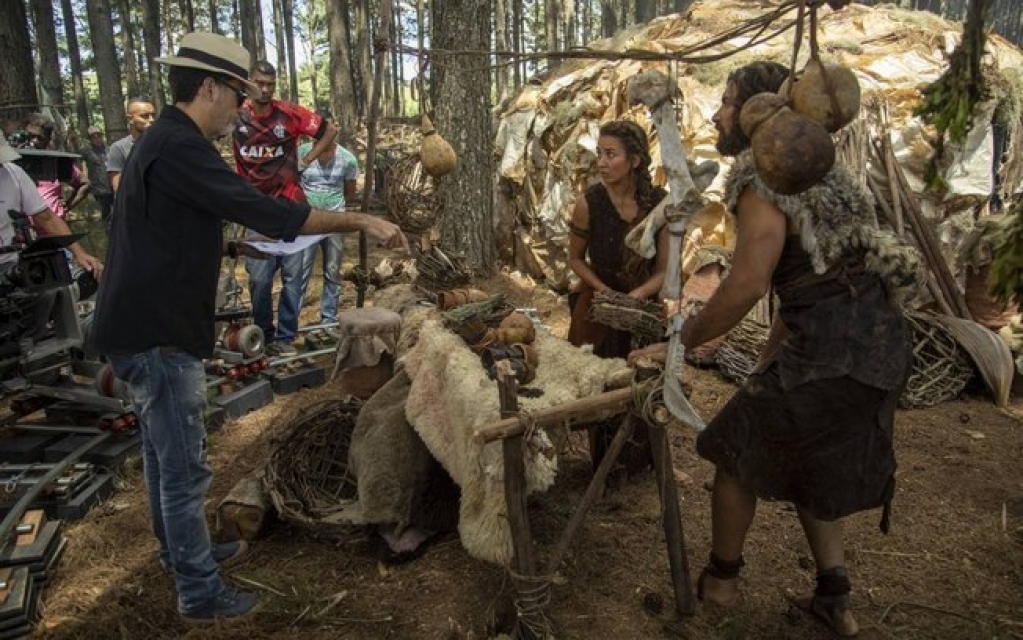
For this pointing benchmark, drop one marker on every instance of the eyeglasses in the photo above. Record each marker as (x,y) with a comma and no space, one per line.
(238,93)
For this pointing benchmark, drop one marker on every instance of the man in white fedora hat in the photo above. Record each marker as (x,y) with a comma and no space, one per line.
(156,309)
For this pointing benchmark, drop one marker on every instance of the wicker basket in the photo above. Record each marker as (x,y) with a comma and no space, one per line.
(307,476)
(739,353)
(410,196)
(940,369)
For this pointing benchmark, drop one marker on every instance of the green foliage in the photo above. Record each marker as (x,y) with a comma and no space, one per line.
(1006,276)
(949,102)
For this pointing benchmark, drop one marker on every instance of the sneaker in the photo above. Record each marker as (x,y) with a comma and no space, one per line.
(227,553)
(229,604)
(283,349)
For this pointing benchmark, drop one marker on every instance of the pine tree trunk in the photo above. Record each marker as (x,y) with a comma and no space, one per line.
(131,68)
(250,18)
(397,73)
(17,86)
(188,15)
(501,44)
(342,84)
(517,47)
(462,106)
(283,86)
(108,71)
(52,88)
(645,10)
(363,22)
(151,40)
(75,61)
(608,19)
(214,17)
(288,9)
(551,29)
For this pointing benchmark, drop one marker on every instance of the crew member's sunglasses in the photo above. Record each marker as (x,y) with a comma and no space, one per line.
(239,93)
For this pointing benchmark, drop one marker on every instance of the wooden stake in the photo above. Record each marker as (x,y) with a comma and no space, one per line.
(671,518)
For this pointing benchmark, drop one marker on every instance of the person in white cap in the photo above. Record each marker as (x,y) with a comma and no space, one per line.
(156,309)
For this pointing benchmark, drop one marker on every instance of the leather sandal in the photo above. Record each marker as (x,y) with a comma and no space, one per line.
(833,611)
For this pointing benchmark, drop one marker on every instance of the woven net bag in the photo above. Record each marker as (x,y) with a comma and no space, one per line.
(410,195)
(307,475)
(941,367)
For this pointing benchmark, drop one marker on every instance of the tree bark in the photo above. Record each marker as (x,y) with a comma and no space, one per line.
(108,71)
(288,10)
(151,40)
(342,83)
(49,65)
(17,86)
(75,61)
(462,106)
(131,67)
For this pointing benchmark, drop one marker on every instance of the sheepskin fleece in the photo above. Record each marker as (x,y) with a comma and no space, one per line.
(451,396)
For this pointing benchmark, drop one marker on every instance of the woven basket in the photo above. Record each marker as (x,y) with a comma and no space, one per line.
(307,475)
(941,368)
(739,353)
(410,196)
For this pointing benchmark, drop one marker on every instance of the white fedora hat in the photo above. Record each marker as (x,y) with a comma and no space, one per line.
(212,52)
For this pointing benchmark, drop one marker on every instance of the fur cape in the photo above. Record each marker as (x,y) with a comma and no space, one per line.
(835,219)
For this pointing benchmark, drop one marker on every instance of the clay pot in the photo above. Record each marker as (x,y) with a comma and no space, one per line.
(791,152)
(435,154)
(810,97)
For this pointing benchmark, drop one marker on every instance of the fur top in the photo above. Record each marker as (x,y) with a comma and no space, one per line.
(836,220)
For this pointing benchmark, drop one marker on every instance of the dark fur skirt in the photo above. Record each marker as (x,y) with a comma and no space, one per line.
(825,446)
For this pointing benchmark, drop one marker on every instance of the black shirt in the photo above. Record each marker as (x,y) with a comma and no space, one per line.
(159,286)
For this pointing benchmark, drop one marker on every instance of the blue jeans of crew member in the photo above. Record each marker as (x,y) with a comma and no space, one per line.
(168,389)
(261,279)
(331,247)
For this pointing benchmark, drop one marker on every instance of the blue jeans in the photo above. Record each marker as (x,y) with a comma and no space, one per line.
(168,389)
(261,280)
(331,246)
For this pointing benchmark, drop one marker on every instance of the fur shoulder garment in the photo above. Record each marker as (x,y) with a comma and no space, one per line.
(836,221)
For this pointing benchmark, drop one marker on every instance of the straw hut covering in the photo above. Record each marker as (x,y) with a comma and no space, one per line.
(547,133)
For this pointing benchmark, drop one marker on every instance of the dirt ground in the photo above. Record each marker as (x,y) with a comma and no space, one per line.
(952,566)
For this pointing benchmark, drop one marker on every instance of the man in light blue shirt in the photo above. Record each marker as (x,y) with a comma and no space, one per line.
(328,182)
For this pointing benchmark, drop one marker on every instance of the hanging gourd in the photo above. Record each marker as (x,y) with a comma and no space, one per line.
(435,153)
(826,93)
(791,152)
